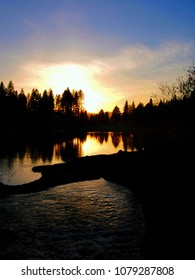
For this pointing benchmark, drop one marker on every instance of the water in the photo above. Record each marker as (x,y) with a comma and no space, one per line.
(18,158)
(85,220)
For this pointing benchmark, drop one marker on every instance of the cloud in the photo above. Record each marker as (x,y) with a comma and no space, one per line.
(140,57)
(134,71)
(130,72)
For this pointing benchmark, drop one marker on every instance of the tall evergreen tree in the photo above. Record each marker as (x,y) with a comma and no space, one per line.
(35,100)
(22,101)
(57,102)
(67,102)
(11,98)
(2,98)
(116,114)
(50,100)
(125,114)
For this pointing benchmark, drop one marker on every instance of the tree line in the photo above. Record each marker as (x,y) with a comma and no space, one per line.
(172,101)
(175,100)
(69,102)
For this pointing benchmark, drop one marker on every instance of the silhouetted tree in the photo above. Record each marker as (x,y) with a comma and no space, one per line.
(78,98)
(132,108)
(50,100)
(103,117)
(126,111)
(81,101)
(149,106)
(186,84)
(2,98)
(47,101)
(183,87)
(149,111)
(139,111)
(2,90)
(10,88)
(44,101)
(22,101)
(11,98)
(57,103)
(67,102)
(116,114)
(84,116)
(35,100)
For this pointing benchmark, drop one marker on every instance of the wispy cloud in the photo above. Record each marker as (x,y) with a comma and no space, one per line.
(133,72)
(130,73)
(142,57)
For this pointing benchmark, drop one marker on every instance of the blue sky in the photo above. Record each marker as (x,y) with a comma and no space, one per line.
(113,50)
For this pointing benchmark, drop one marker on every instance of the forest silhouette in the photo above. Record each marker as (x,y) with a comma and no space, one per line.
(44,112)
(38,112)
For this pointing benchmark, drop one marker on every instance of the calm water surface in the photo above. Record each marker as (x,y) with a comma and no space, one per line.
(85,220)
(17,159)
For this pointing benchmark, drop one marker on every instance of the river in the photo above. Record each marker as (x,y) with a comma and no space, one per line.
(85,220)
(17,158)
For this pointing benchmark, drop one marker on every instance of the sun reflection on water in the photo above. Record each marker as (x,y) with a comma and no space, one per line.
(16,167)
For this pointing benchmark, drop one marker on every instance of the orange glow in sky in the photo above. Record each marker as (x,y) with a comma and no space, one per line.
(112,50)
(59,77)
(75,77)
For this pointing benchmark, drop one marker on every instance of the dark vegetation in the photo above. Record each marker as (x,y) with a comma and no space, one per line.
(41,113)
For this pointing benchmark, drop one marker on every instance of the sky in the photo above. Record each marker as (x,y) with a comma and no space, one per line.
(113,50)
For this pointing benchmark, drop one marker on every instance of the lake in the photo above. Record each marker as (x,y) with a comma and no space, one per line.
(95,219)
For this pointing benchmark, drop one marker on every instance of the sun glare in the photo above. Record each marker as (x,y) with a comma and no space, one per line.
(59,77)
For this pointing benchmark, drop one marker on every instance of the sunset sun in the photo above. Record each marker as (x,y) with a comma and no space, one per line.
(59,77)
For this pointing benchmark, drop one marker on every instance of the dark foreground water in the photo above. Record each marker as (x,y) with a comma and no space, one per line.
(86,220)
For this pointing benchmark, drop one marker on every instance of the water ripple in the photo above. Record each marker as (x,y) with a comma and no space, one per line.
(86,220)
